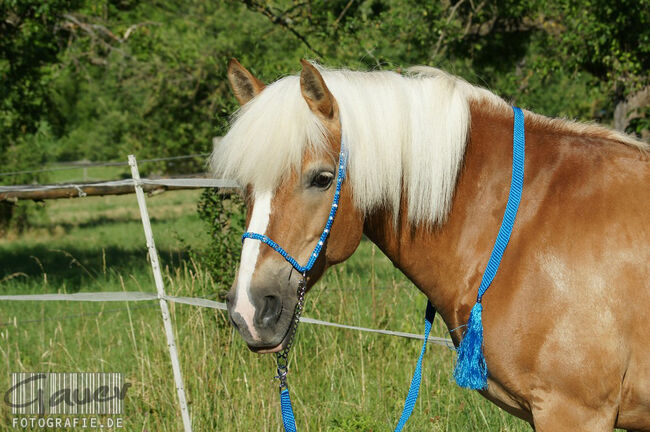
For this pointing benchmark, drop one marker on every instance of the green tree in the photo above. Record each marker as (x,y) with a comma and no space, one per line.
(578,59)
(100,79)
(610,41)
(30,46)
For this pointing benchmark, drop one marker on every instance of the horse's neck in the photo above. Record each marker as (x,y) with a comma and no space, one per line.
(447,262)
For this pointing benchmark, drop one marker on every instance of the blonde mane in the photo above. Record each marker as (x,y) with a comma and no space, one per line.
(405,134)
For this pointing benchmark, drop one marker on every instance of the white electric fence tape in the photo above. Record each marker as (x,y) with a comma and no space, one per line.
(201,302)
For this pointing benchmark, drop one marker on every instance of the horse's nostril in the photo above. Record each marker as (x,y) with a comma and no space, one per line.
(271,310)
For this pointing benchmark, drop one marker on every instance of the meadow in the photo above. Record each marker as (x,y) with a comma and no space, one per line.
(341,380)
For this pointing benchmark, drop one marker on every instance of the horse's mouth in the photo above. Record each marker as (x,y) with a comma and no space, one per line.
(275,349)
(269,349)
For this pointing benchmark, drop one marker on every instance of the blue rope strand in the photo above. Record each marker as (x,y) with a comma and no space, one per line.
(471,368)
(287,411)
(514,198)
(414,389)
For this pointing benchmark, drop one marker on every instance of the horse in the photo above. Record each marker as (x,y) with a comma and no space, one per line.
(428,174)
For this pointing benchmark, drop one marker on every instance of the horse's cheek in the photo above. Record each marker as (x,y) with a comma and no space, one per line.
(346,233)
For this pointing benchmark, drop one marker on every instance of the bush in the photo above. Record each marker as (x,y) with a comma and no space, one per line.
(225,217)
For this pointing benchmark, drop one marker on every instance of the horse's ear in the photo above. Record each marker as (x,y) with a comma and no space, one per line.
(243,83)
(313,88)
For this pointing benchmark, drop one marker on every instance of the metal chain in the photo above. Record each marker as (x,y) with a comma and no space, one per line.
(282,357)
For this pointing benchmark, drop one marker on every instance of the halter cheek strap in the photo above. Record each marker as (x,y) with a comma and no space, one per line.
(326,231)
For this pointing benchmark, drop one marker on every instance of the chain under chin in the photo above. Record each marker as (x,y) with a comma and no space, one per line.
(282,357)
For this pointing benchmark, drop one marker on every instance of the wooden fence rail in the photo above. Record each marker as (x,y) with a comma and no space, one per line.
(117,187)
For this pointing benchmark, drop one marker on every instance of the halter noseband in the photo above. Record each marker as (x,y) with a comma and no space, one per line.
(343,155)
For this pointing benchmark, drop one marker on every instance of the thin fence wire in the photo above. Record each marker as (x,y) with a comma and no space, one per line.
(78,165)
(171,182)
(140,296)
(206,303)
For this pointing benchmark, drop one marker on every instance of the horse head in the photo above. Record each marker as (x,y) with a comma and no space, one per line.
(287,201)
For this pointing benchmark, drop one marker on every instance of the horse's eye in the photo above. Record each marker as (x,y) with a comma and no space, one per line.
(322,180)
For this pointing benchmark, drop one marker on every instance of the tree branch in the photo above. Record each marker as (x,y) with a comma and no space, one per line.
(134,27)
(443,33)
(94,29)
(342,14)
(257,6)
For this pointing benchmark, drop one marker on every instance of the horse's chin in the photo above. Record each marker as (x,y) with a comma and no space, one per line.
(269,349)
(275,349)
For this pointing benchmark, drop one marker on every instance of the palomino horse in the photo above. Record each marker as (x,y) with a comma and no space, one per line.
(566,330)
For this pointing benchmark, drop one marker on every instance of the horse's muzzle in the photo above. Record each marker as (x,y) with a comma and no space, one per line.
(268,329)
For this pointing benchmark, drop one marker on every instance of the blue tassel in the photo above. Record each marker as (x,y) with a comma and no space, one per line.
(471,369)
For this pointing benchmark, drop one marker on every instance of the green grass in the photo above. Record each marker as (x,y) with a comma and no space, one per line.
(73,174)
(340,380)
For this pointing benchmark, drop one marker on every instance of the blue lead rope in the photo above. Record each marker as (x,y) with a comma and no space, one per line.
(414,390)
(287,411)
(471,369)
(289,420)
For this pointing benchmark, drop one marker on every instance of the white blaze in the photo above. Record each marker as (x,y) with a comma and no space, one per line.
(250,250)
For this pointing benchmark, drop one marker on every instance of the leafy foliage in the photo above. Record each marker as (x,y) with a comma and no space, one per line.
(30,44)
(609,40)
(224,219)
(640,121)
(97,80)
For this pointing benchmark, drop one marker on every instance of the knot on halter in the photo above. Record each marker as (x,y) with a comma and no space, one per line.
(343,155)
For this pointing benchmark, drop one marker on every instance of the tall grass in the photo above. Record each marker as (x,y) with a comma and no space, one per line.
(340,380)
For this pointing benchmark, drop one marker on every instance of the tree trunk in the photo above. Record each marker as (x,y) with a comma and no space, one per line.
(628,109)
